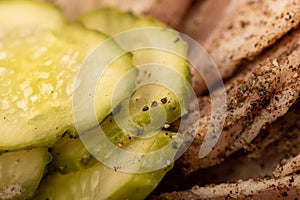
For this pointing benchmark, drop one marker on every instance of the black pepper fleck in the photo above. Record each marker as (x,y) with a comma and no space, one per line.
(284,194)
(164,100)
(145,108)
(154,104)
(177,40)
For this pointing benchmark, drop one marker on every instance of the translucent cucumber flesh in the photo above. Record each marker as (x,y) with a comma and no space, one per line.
(39,65)
(99,181)
(112,21)
(28,14)
(21,172)
(38,70)
(102,182)
(69,154)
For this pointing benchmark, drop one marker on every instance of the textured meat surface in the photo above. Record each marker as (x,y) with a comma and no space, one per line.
(276,144)
(282,136)
(254,25)
(264,94)
(201,20)
(274,188)
(281,48)
(203,17)
(291,167)
(171,12)
(249,28)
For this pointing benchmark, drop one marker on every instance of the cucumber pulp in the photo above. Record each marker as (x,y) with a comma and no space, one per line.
(112,21)
(174,100)
(70,155)
(40,56)
(102,182)
(21,172)
(30,15)
(40,63)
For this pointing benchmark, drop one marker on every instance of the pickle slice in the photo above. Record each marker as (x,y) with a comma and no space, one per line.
(40,57)
(21,172)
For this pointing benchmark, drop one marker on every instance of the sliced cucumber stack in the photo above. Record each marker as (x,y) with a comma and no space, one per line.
(69,154)
(112,21)
(76,174)
(21,172)
(102,182)
(162,67)
(40,56)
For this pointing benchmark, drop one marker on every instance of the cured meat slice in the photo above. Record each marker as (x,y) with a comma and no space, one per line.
(282,136)
(265,94)
(250,27)
(203,17)
(292,166)
(287,187)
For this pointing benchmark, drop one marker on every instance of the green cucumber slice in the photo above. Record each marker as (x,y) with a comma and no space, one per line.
(21,172)
(40,56)
(29,15)
(175,101)
(101,182)
(112,21)
(69,154)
